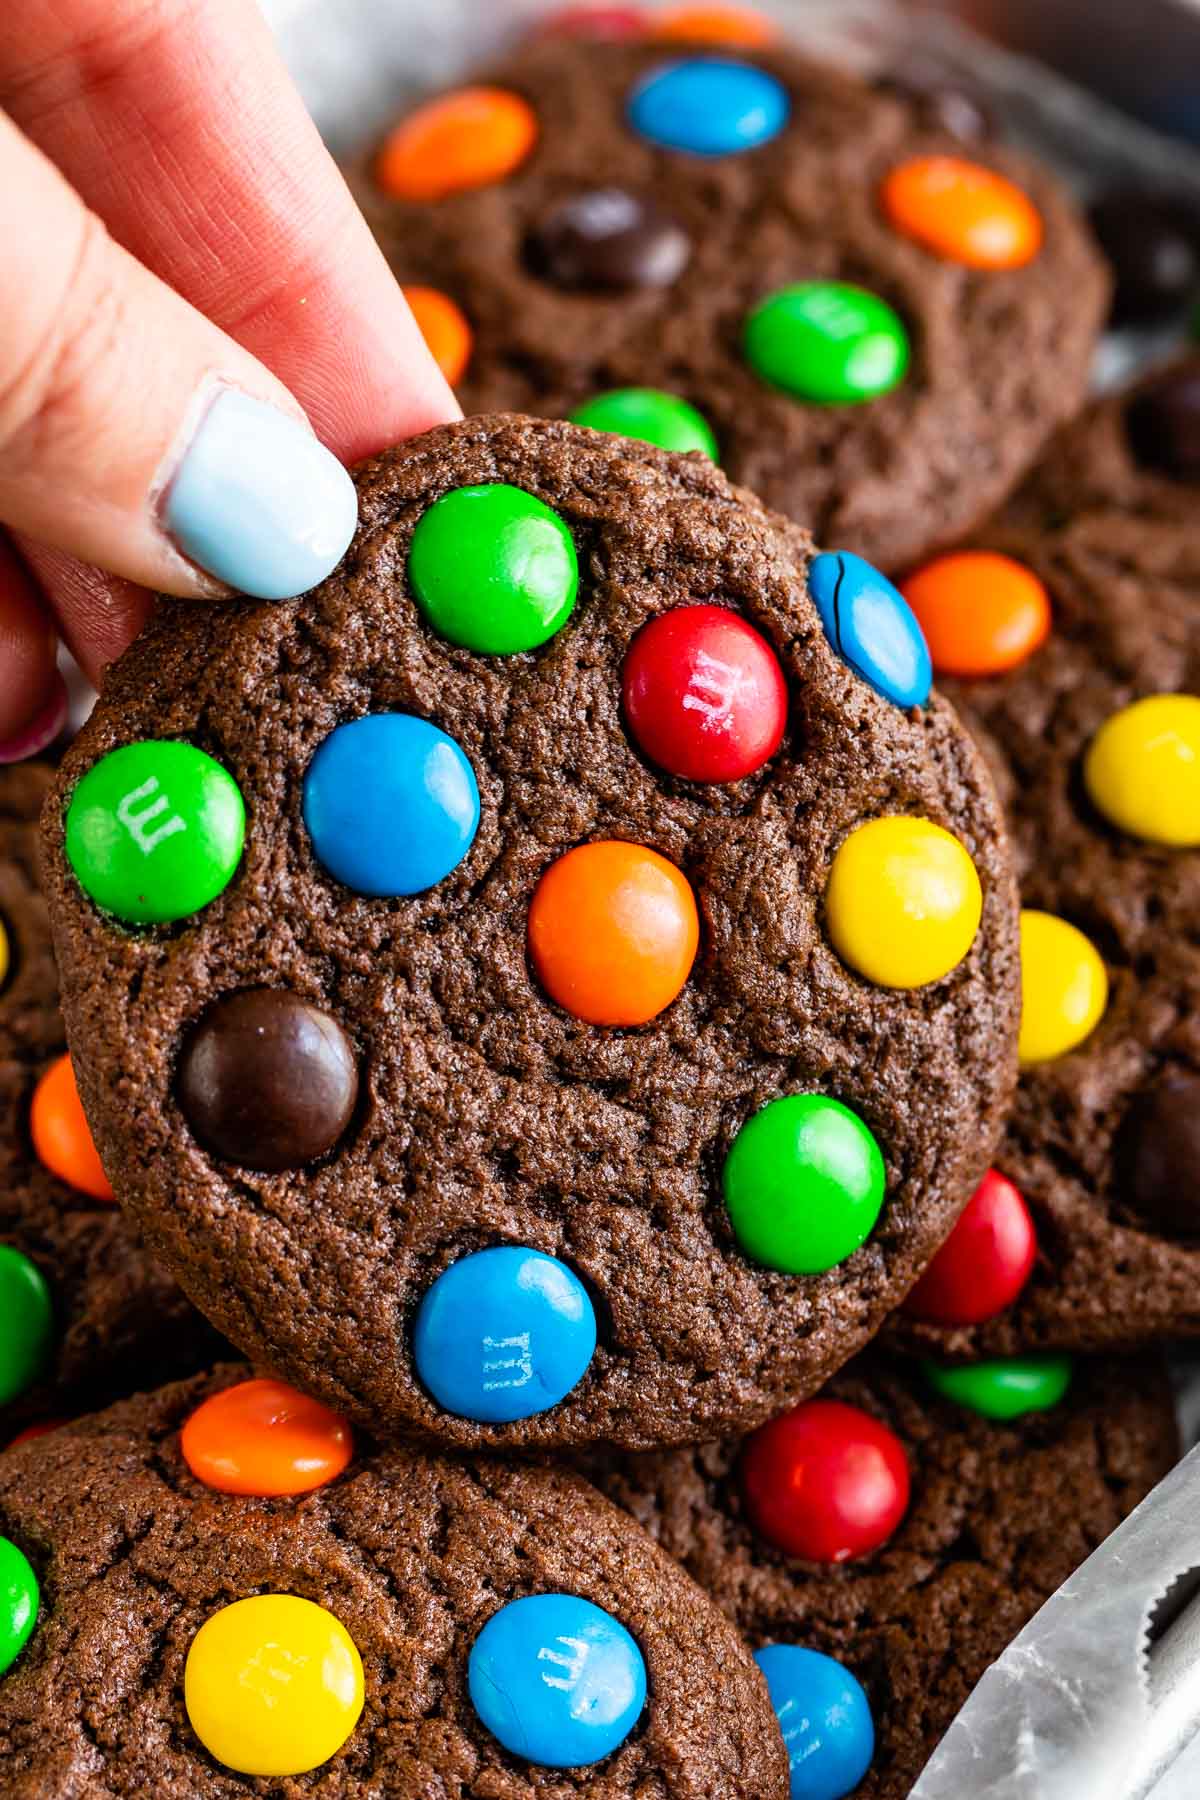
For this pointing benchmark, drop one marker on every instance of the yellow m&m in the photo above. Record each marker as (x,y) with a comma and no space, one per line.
(4,953)
(273,1685)
(903,902)
(1064,987)
(1142,769)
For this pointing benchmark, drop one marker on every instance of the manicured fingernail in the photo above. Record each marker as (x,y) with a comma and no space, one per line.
(258,501)
(42,729)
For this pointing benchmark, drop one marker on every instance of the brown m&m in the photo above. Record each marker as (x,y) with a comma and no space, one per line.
(1162,422)
(609,239)
(267,1081)
(1160,1153)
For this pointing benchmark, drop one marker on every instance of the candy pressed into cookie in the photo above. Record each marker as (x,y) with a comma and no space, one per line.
(880,1545)
(747,253)
(215,1590)
(83,1309)
(1070,640)
(557,980)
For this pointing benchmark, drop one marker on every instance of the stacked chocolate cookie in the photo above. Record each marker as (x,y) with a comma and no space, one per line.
(556,988)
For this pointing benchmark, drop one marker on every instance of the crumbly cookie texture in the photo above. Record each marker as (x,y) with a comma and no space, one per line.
(487,1114)
(999,357)
(999,1516)
(411,1553)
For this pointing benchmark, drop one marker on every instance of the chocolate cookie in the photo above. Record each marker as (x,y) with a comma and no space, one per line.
(231,1590)
(510,1088)
(1094,737)
(84,1308)
(878,326)
(951,1530)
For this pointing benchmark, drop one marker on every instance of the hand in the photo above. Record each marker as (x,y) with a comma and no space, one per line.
(188,294)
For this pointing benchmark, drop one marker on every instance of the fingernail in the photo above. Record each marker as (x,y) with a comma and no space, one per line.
(258,501)
(42,729)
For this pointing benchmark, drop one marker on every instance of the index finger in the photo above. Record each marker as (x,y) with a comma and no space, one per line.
(177,123)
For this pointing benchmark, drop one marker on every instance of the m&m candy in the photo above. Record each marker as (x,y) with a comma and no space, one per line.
(263,1437)
(444,327)
(61,1138)
(826,342)
(504,1334)
(154,831)
(28,1328)
(651,417)
(980,613)
(871,626)
(604,23)
(825,1481)
(743,26)
(391,804)
(984,1263)
(1006,1388)
(804,1182)
(273,1685)
(1159,1153)
(709,106)
(42,1428)
(903,902)
(1064,987)
(1162,421)
(613,933)
(704,694)
(5,954)
(608,239)
(467,139)
(18,1602)
(962,212)
(493,568)
(1142,770)
(557,1680)
(266,1080)
(824,1717)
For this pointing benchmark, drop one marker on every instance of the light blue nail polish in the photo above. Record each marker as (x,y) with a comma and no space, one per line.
(259,502)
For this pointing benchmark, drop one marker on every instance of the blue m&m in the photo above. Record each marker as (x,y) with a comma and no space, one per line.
(709,106)
(504,1334)
(871,626)
(391,804)
(825,1719)
(557,1680)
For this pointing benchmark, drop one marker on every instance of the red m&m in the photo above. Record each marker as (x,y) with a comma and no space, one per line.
(825,1481)
(984,1263)
(704,694)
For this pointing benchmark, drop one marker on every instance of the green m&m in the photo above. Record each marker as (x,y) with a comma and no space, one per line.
(493,568)
(804,1183)
(26,1323)
(827,342)
(650,416)
(1006,1387)
(18,1602)
(155,831)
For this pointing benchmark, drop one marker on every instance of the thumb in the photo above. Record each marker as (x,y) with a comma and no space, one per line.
(133,433)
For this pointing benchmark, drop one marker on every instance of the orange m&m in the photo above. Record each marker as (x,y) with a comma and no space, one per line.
(613,932)
(444,327)
(60,1132)
(467,139)
(740,25)
(981,613)
(262,1437)
(962,211)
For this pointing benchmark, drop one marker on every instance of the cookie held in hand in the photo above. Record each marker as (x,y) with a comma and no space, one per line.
(605,997)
